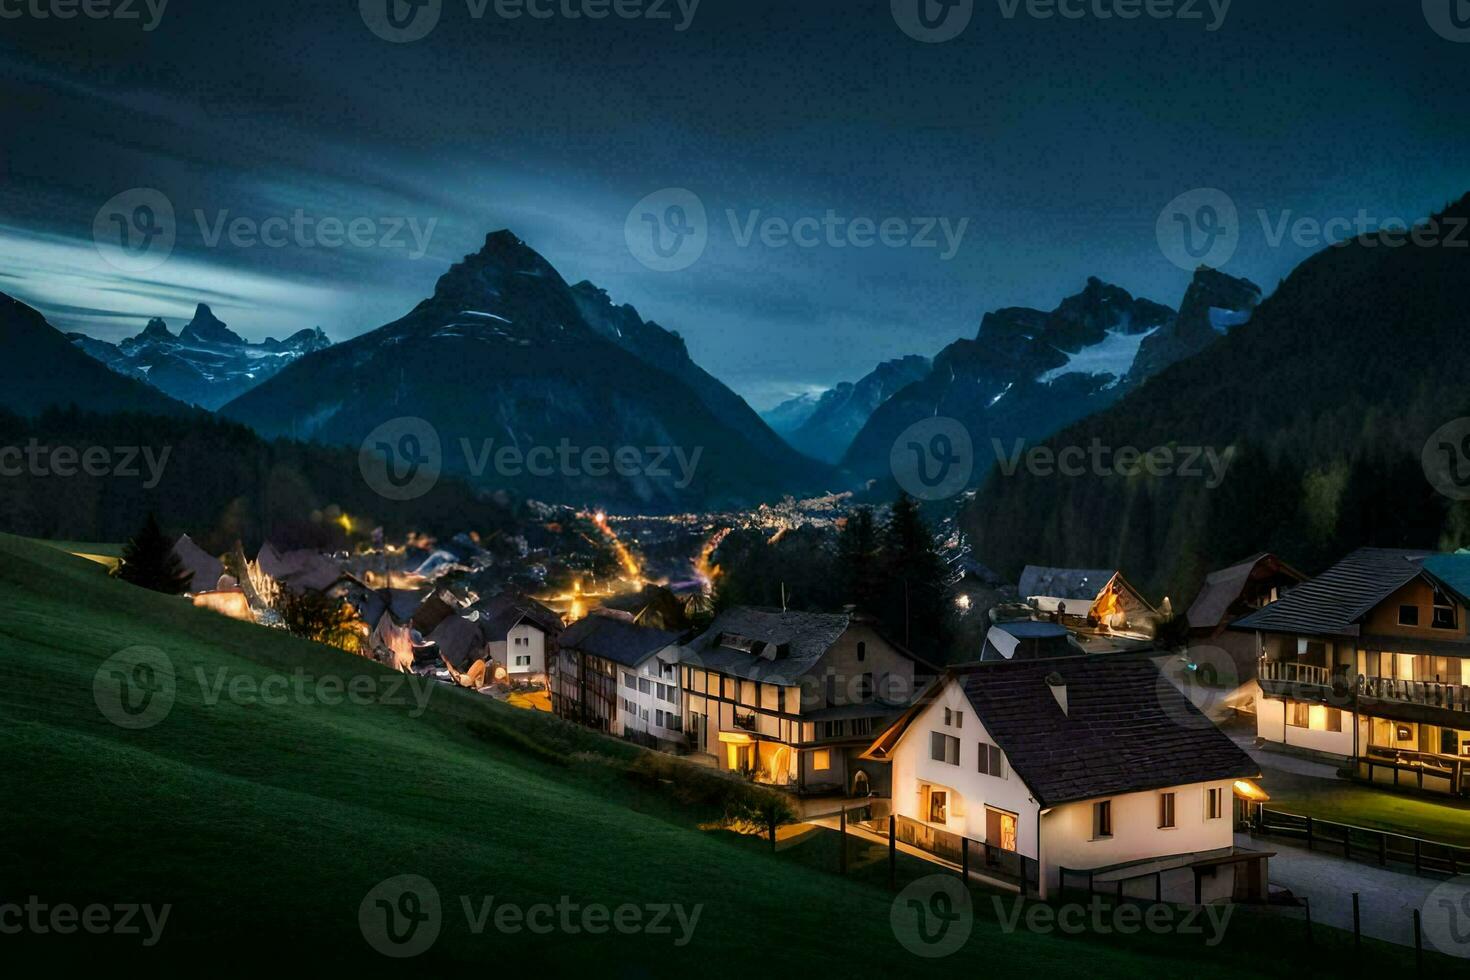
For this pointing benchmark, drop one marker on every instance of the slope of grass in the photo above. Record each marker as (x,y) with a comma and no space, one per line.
(265,825)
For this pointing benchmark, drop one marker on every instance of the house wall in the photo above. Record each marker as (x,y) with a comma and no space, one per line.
(1067,831)
(1383,620)
(859,651)
(524,641)
(651,692)
(1271,726)
(971,790)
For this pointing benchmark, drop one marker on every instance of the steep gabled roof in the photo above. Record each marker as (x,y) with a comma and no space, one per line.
(617,640)
(1332,603)
(205,568)
(1223,588)
(1126,728)
(501,614)
(459,642)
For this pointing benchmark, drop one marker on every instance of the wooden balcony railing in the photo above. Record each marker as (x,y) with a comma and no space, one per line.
(1294,673)
(1433,694)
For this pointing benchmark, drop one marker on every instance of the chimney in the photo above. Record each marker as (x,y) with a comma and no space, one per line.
(1058,687)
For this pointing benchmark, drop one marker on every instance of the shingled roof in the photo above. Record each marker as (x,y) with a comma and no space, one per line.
(501,614)
(1073,584)
(1126,729)
(1223,588)
(1332,603)
(616,639)
(737,639)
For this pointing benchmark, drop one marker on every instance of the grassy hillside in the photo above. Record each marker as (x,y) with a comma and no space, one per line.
(264,826)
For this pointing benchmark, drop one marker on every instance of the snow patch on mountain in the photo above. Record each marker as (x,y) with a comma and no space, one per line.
(1114,355)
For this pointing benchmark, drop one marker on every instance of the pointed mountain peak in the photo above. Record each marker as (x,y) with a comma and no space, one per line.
(206,328)
(157,329)
(483,277)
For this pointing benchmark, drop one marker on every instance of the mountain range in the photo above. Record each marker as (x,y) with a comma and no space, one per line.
(1329,406)
(206,364)
(505,355)
(1028,373)
(823,425)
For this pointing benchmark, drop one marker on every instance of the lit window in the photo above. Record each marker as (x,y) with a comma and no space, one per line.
(1166,810)
(938,806)
(821,760)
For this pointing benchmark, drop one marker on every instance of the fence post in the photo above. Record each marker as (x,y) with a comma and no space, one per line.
(1418,858)
(1347,842)
(965,859)
(1357,924)
(842,842)
(1418,944)
(892,852)
(1382,848)
(1308,902)
(1309,833)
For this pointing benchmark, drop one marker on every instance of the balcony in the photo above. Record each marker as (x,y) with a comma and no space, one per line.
(1304,682)
(1432,702)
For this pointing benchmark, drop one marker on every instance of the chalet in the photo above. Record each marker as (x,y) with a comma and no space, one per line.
(1100,607)
(621,678)
(205,570)
(792,699)
(463,650)
(520,637)
(1234,592)
(303,570)
(1367,663)
(1088,768)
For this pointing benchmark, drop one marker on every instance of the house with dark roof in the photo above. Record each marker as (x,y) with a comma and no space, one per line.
(521,637)
(1090,768)
(621,678)
(1369,663)
(1231,593)
(791,699)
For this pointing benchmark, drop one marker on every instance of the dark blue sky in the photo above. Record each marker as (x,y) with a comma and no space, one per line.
(1058,140)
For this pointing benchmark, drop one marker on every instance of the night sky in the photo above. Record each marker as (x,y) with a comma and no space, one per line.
(1059,140)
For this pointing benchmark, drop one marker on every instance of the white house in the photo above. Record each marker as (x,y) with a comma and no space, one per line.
(1093,767)
(521,636)
(621,678)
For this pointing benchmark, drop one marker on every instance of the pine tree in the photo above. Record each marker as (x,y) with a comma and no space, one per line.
(149,561)
(914,609)
(858,561)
